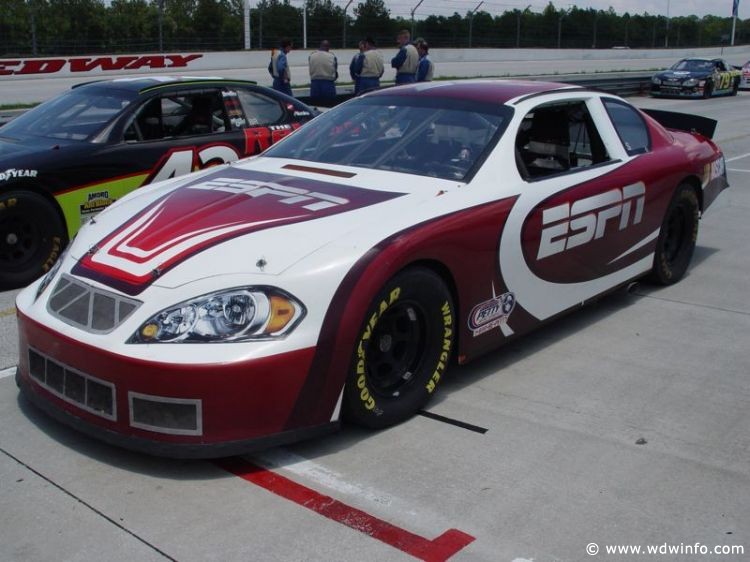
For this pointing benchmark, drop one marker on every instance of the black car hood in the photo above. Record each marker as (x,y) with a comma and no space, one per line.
(12,149)
(682,75)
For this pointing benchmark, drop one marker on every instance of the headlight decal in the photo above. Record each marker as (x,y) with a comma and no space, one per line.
(231,315)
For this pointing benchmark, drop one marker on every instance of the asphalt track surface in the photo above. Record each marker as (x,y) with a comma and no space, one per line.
(624,423)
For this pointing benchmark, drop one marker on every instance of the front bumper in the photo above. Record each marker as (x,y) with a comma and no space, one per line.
(207,410)
(676,90)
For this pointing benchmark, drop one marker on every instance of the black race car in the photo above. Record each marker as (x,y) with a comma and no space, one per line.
(68,159)
(697,77)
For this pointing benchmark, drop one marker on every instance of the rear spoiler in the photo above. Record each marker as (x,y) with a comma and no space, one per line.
(683,122)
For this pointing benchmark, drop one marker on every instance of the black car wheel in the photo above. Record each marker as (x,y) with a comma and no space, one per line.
(676,242)
(735,87)
(32,236)
(708,89)
(402,350)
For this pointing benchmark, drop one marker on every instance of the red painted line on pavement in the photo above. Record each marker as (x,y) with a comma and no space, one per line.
(436,550)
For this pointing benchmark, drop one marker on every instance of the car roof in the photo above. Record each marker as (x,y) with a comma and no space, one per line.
(485,91)
(142,84)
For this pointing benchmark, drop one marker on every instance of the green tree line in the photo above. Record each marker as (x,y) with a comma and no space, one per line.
(46,27)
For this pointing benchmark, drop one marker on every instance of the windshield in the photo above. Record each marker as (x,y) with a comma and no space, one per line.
(443,138)
(694,65)
(76,115)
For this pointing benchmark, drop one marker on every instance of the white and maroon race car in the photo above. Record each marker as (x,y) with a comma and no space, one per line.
(338,274)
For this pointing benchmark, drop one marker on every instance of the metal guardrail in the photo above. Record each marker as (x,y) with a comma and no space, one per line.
(621,84)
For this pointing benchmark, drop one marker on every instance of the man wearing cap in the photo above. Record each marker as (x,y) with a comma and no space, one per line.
(279,68)
(426,67)
(369,67)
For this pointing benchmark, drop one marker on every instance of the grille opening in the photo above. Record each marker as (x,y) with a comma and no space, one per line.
(75,387)
(89,308)
(36,365)
(90,394)
(165,415)
(104,313)
(55,377)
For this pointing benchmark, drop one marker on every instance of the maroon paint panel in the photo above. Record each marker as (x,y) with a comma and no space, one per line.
(439,549)
(203,211)
(465,242)
(620,209)
(240,400)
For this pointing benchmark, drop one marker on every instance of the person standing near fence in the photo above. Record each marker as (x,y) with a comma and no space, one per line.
(369,67)
(407,59)
(323,72)
(279,68)
(426,68)
(352,66)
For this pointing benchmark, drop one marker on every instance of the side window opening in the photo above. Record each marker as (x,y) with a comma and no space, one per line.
(558,138)
(179,115)
(630,127)
(260,110)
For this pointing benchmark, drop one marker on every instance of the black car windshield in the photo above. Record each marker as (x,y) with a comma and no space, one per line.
(76,115)
(437,137)
(694,65)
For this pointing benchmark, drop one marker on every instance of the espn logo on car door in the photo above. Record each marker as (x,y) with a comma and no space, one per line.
(569,225)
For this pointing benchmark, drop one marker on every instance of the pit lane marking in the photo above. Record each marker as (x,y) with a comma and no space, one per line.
(738,170)
(740,157)
(7,372)
(438,549)
(8,312)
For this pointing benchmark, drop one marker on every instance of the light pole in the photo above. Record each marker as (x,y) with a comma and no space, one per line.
(32,12)
(161,26)
(246,22)
(414,25)
(343,35)
(304,25)
(471,21)
(519,13)
(593,41)
(666,37)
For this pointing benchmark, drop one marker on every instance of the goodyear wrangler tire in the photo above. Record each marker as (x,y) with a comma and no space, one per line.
(402,350)
(32,236)
(676,242)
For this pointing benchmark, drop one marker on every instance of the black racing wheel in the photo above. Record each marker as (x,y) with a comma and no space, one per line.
(735,87)
(708,89)
(676,242)
(32,237)
(402,350)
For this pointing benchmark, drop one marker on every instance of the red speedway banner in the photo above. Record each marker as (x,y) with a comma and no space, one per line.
(54,67)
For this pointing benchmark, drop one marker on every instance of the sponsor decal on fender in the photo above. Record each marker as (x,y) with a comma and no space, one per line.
(96,202)
(89,64)
(567,226)
(12,173)
(491,314)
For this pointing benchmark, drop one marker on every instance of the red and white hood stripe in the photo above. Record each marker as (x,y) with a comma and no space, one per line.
(230,203)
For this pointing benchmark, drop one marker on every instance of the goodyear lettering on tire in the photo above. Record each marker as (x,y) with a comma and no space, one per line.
(12,202)
(368,401)
(446,350)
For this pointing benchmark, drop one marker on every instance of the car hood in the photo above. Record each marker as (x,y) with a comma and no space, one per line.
(261,217)
(681,75)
